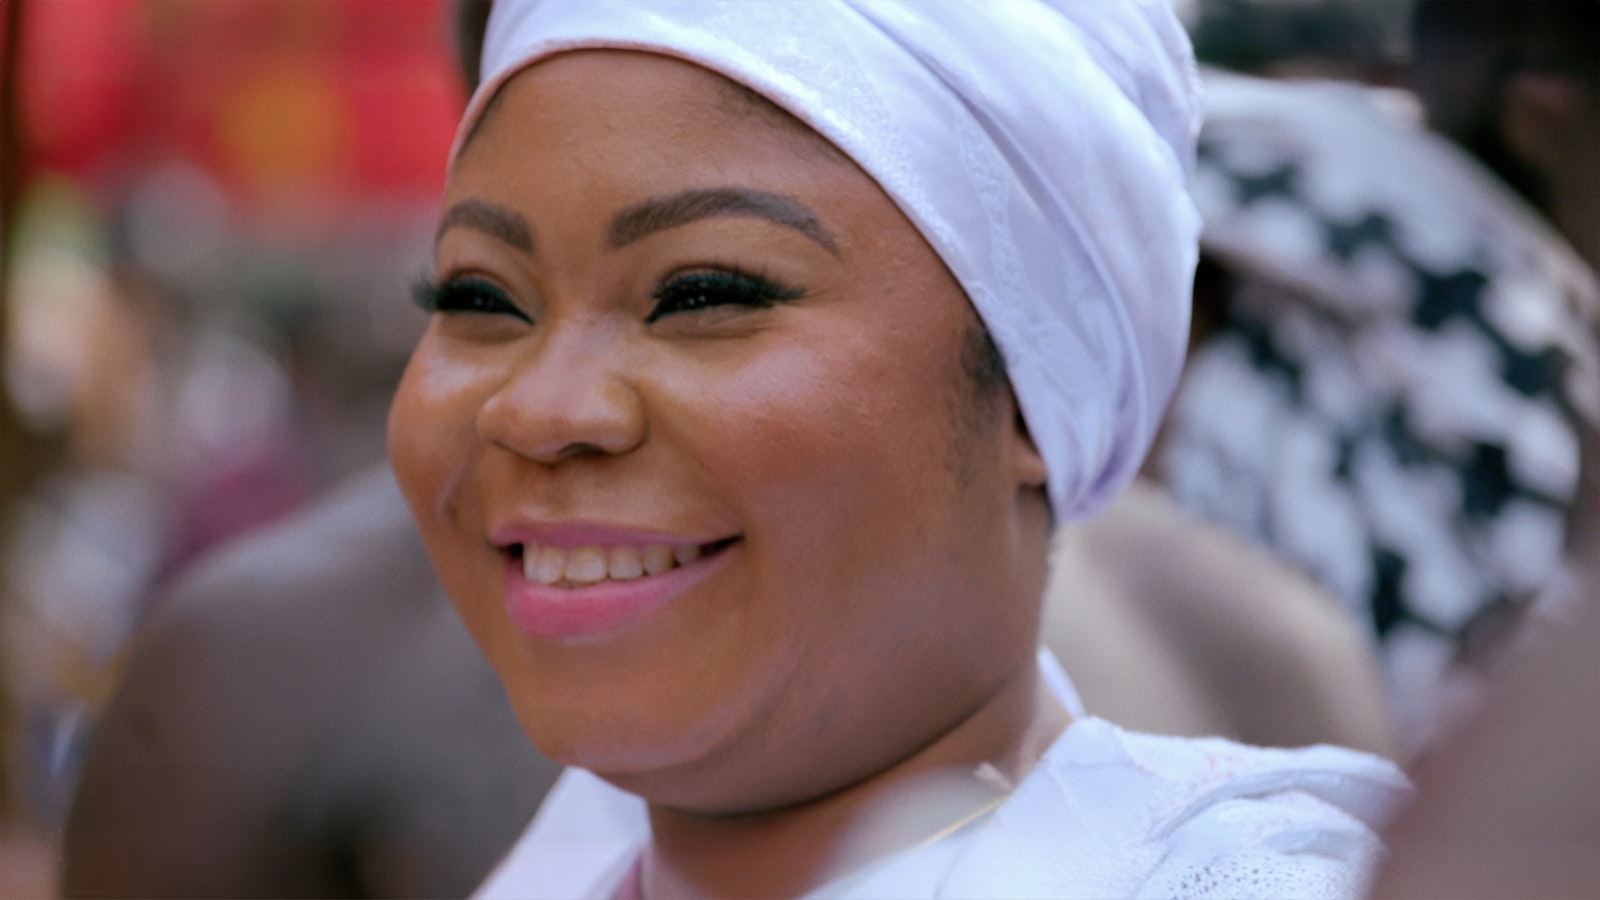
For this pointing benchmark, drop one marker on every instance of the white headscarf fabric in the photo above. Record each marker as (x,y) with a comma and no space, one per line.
(1042,148)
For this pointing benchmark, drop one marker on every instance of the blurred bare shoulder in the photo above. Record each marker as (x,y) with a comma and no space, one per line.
(360,534)
(1509,803)
(1176,626)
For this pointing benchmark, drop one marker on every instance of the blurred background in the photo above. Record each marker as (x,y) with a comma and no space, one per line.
(212,208)
(212,211)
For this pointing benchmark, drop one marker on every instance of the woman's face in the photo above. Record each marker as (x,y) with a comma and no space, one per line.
(692,446)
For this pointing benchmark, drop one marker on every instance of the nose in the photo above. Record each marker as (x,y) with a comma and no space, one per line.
(566,398)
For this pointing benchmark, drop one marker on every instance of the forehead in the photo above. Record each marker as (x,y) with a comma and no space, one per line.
(741,100)
(601,80)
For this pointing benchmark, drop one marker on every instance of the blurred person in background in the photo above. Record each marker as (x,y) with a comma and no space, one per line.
(1518,86)
(1510,805)
(1490,219)
(1394,357)
(203,206)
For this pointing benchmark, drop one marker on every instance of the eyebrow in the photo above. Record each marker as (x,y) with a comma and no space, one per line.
(660,213)
(496,221)
(649,216)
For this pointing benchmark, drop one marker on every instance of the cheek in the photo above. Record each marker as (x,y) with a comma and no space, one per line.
(839,453)
(798,414)
(434,449)
(433,446)
(429,422)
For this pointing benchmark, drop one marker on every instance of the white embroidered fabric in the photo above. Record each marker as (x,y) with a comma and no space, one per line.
(1105,813)
(1042,148)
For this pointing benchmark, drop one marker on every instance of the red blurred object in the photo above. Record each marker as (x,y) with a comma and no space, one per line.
(280,100)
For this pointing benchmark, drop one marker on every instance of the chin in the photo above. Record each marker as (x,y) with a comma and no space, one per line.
(630,737)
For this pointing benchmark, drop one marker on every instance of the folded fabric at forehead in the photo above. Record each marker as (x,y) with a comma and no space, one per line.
(1042,148)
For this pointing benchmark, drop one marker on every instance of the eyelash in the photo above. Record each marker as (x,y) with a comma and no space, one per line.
(474,295)
(686,292)
(717,287)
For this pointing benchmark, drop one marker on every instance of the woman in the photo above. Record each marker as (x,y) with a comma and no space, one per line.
(712,445)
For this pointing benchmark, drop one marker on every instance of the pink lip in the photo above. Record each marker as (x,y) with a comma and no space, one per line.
(573,613)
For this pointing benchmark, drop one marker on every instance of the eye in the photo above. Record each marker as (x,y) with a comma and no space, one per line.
(464,295)
(714,288)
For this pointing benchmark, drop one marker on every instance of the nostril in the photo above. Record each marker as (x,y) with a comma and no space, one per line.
(579,448)
(563,407)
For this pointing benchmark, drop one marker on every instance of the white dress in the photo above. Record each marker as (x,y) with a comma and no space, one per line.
(1105,813)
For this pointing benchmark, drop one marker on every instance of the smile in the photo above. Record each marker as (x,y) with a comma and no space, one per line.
(587,591)
(554,566)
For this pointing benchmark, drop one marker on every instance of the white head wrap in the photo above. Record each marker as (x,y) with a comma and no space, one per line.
(1042,148)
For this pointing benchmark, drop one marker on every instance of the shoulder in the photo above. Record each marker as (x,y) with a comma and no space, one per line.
(235,688)
(1191,777)
(1114,813)
(360,534)
(307,688)
(286,611)
(1226,638)
(1237,821)
(259,616)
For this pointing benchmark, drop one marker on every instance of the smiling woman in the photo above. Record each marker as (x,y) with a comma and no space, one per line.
(753,381)
(711,446)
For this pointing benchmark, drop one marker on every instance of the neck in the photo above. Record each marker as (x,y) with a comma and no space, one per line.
(963,773)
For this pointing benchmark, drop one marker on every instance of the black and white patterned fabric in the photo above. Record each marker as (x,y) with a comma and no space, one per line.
(1392,395)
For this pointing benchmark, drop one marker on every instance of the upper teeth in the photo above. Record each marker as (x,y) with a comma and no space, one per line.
(588,565)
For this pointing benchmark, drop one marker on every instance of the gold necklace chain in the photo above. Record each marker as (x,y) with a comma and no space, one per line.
(962,822)
(638,874)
